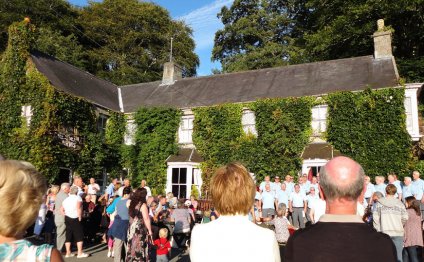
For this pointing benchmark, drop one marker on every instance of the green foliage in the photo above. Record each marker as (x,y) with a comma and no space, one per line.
(256,34)
(370,127)
(155,141)
(53,113)
(128,41)
(283,127)
(195,192)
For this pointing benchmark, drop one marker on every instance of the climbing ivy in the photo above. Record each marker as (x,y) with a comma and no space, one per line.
(155,142)
(370,127)
(54,113)
(283,127)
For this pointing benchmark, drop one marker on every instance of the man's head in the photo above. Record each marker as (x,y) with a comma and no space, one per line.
(407,180)
(267,178)
(288,179)
(314,180)
(416,175)
(312,191)
(379,180)
(232,190)
(143,183)
(92,180)
(126,182)
(342,178)
(267,187)
(114,181)
(283,186)
(391,178)
(391,190)
(367,180)
(297,188)
(78,181)
(65,187)
(277,179)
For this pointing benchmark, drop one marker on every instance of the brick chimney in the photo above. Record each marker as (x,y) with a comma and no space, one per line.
(382,41)
(171,73)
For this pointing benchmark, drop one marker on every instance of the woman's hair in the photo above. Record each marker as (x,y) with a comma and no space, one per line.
(163,233)
(281,209)
(21,193)
(54,189)
(126,191)
(232,190)
(413,204)
(139,196)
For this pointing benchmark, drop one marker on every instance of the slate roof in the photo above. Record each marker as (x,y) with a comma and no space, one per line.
(318,78)
(320,150)
(74,81)
(186,155)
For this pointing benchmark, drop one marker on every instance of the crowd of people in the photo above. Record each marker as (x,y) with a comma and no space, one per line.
(326,213)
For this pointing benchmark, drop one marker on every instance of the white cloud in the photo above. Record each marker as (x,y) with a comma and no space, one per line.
(205,23)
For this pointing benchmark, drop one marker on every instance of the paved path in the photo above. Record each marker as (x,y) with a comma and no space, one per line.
(99,254)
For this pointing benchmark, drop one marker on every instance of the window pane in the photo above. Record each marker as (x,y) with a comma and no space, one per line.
(408,105)
(183,175)
(183,191)
(175,190)
(175,172)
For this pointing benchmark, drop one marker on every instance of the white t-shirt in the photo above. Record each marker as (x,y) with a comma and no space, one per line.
(91,189)
(258,196)
(282,197)
(297,199)
(70,206)
(268,199)
(310,199)
(149,192)
(262,186)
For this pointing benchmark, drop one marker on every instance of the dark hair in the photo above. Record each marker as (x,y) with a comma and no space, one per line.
(413,204)
(138,197)
(126,191)
(391,189)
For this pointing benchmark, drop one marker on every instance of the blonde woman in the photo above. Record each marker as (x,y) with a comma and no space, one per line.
(18,212)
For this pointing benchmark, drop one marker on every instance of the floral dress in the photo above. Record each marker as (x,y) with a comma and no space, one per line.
(138,243)
(281,225)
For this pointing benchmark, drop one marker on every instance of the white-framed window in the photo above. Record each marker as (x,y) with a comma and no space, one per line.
(409,117)
(185,131)
(179,182)
(319,119)
(129,138)
(101,123)
(27,114)
(248,121)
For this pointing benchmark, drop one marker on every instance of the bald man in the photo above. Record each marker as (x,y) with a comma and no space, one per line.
(340,234)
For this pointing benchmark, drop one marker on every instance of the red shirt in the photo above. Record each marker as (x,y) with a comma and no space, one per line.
(163,246)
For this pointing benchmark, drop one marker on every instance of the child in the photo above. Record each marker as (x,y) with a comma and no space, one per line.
(163,246)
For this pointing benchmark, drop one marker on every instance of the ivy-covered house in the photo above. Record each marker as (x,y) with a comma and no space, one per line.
(175,132)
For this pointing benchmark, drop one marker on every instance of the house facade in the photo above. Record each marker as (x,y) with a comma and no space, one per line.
(312,80)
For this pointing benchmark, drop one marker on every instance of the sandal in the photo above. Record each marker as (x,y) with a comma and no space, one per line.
(70,255)
(83,255)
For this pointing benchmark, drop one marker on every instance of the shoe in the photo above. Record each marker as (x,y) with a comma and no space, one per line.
(83,255)
(112,255)
(109,254)
(70,255)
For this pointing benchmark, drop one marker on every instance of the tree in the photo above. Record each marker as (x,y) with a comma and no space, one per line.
(54,21)
(343,28)
(256,34)
(128,41)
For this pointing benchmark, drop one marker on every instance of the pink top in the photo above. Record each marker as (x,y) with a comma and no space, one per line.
(413,233)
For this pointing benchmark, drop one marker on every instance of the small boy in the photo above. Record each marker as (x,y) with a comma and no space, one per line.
(163,246)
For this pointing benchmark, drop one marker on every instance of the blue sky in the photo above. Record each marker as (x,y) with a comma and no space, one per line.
(199,15)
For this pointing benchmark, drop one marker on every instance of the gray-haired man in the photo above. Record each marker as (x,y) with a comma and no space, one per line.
(59,218)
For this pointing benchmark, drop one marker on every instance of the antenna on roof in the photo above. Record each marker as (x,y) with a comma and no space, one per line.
(170,55)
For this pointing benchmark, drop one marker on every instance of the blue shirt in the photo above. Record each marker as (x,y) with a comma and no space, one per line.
(407,191)
(289,187)
(418,188)
(122,209)
(268,199)
(282,197)
(110,189)
(381,188)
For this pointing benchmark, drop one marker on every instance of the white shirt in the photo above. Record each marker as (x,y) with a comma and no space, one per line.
(70,206)
(268,199)
(319,207)
(369,190)
(93,189)
(310,198)
(289,186)
(258,195)
(297,199)
(149,192)
(247,243)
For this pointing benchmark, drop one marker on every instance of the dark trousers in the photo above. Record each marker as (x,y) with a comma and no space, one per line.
(412,254)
